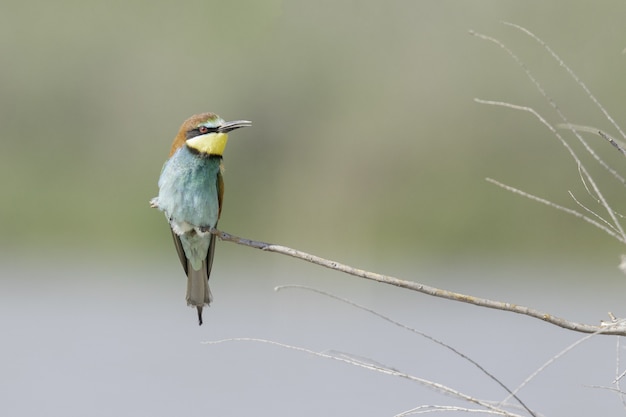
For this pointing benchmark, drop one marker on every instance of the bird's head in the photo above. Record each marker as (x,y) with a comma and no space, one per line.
(206,133)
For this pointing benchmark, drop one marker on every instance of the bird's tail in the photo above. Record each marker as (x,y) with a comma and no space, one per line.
(198,291)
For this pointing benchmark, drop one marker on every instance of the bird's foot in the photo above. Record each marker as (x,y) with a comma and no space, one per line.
(154,203)
(207,229)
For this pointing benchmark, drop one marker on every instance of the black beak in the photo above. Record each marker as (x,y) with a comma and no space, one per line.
(236,124)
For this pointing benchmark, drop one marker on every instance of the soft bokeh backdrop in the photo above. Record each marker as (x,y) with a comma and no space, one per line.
(366,147)
(365,137)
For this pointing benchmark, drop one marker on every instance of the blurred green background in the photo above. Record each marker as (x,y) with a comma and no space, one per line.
(366,142)
(366,147)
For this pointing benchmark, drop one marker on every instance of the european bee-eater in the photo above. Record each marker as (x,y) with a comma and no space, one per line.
(191,190)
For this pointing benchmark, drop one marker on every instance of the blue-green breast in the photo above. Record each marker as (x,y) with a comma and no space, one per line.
(188,188)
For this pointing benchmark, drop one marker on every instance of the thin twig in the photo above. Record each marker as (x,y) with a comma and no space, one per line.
(374,367)
(444,408)
(621,236)
(612,141)
(619,145)
(558,207)
(553,104)
(572,74)
(550,362)
(415,331)
(588,210)
(618,375)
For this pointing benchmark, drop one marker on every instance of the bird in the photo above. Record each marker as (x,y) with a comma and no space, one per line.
(191,191)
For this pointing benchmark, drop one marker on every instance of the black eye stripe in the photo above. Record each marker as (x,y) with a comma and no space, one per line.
(202,130)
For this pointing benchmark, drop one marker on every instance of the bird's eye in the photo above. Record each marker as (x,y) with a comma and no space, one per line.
(203,129)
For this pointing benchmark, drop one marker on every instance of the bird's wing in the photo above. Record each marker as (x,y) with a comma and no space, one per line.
(220,197)
(209,256)
(180,250)
(220,192)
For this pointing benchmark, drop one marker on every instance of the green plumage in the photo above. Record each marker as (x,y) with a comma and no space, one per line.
(190,195)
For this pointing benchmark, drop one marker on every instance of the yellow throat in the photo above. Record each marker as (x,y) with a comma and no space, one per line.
(210,144)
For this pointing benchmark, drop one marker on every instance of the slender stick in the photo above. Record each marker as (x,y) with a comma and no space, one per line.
(615,327)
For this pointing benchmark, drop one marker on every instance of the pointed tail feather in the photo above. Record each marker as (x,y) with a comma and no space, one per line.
(198,291)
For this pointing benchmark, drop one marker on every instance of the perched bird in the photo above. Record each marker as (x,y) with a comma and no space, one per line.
(191,190)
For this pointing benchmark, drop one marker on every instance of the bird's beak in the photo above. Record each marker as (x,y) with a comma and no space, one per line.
(236,124)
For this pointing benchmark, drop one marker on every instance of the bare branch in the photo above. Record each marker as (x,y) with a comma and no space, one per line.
(550,362)
(549,203)
(553,104)
(617,145)
(604,136)
(572,74)
(415,331)
(612,328)
(615,327)
(443,408)
(588,210)
(382,369)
